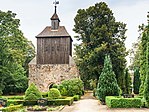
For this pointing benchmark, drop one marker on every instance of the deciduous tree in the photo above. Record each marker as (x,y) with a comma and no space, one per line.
(99,34)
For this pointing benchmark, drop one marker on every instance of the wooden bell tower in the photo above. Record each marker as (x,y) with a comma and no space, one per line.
(54,44)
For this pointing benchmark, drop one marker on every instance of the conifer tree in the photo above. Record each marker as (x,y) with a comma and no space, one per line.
(107,83)
(128,82)
(144,59)
(32,93)
(136,81)
(146,84)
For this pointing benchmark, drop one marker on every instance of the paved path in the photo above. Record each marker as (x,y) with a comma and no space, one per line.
(89,104)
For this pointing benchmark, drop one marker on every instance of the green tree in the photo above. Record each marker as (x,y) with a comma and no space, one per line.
(32,93)
(107,83)
(143,58)
(99,34)
(16,52)
(146,83)
(136,81)
(128,82)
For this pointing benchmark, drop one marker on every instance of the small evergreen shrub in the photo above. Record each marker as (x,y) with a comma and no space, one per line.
(119,102)
(32,93)
(54,93)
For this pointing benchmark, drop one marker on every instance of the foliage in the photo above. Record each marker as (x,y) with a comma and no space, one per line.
(15,53)
(128,83)
(99,33)
(14,102)
(144,61)
(44,94)
(62,90)
(107,83)
(143,54)
(32,93)
(76,97)
(136,81)
(14,97)
(146,83)
(12,108)
(66,101)
(54,93)
(72,87)
(117,102)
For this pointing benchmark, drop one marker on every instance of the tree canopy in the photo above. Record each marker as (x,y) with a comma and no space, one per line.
(15,53)
(99,34)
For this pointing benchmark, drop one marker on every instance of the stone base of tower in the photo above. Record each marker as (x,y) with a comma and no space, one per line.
(45,75)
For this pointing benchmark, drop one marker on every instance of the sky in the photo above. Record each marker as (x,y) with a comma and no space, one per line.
(35,15)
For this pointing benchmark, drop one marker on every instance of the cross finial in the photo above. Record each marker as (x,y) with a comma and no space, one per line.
(55,3)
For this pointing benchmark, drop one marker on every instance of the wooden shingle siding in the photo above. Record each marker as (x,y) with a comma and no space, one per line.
(53,50)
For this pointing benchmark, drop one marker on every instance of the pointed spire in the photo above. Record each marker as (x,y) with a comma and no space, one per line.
(55,19)
(55,9)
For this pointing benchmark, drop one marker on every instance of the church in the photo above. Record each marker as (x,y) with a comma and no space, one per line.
(53,62)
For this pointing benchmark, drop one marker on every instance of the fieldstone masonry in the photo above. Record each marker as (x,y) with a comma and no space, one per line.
(43,75)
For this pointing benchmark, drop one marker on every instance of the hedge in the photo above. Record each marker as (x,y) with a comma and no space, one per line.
(15,97)
(117,102)
(30,102)
(76,97)
(14,102)
(12,108)
(66,101)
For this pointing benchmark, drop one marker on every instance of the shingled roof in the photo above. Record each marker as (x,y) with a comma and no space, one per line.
(55,17)
(48,32)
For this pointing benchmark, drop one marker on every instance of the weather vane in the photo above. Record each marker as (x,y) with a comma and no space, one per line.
(55,3)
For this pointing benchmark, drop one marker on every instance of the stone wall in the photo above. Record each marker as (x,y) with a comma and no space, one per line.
(45,75)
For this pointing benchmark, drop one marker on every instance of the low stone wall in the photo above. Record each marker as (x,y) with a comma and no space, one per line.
(45,75)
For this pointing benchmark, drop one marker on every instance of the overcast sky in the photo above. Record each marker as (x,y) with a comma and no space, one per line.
(35,14)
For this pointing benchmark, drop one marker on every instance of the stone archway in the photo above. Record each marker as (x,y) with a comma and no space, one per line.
(50,85)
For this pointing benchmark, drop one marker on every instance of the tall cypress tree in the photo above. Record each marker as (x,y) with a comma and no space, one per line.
(144,58)
(107,83)
(146,84)
(128,82)
(136,81)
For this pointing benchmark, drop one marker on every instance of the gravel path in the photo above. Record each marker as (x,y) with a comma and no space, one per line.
(89,104)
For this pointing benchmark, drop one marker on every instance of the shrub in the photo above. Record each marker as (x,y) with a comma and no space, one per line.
(76,97)
(32,93)
(73,87)
(14,102)
(117,102)
(62,90)
(54,93)
(15,97)
(66,101)
(30,102)
(12,108)
(55,86)
(44,94)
